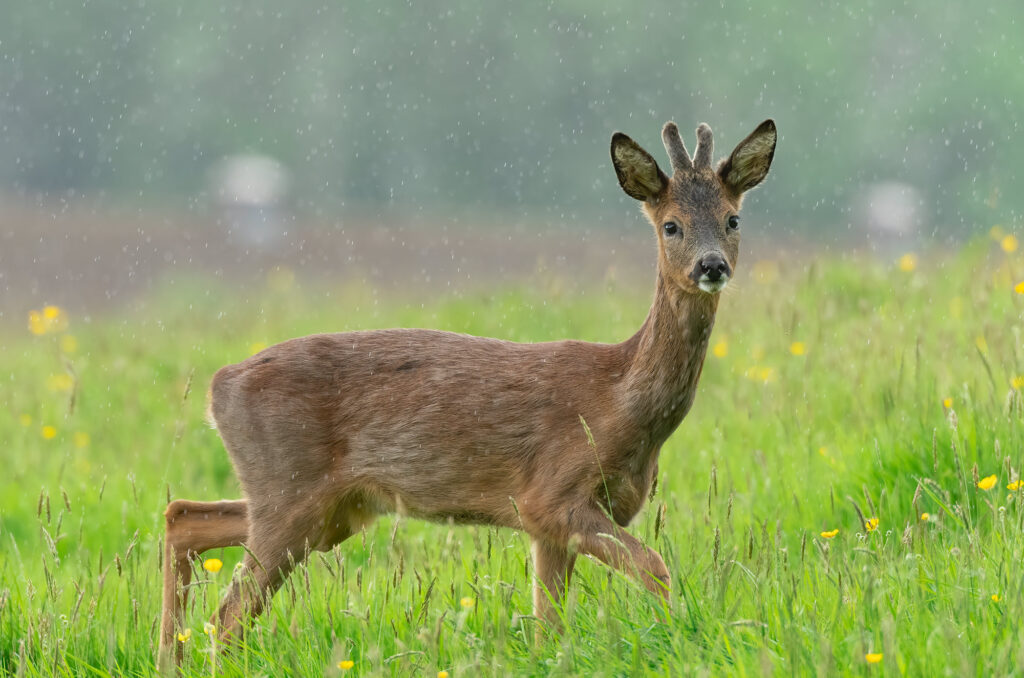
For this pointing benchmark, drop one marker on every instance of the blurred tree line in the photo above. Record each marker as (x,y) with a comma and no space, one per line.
(511,105)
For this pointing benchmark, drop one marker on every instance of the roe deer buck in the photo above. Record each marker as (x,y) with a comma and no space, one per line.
(328,431)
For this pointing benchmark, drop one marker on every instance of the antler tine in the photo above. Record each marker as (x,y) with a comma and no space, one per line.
(675,147)
(705,147)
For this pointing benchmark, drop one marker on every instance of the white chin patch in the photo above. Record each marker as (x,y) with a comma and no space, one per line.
(712,287)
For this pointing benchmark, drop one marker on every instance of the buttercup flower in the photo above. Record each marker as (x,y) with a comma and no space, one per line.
(987,483)
(1015,485)
(721,349)
(829,534)
(1017,382)
(797,348)
(1009,243)
(947,403)
(346,664)
(51,319)
(926,516)
(183,637)
(1019,287)
(871,524)
(212,565)
(60,382)
(873,657)
(995,597)
(442,674)
(48,432)
(466,603)
(908,262)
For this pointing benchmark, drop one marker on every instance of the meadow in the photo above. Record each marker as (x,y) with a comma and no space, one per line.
(842,500)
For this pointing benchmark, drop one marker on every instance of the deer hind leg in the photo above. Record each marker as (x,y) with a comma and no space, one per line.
(276,544)
(193,527)
(553,563)
(598,536)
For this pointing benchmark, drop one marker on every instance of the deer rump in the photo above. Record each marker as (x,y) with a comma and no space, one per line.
(430,424)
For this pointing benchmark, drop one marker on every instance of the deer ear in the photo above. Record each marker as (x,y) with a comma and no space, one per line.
(748,165)
(639,175)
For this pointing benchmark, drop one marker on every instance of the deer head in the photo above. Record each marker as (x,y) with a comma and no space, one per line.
(695,212)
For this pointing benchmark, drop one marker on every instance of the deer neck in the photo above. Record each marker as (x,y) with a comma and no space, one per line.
(667,356)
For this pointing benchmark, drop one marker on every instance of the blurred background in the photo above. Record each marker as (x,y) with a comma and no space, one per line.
(434,148)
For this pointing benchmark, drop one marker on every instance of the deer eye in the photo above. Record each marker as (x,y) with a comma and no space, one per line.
(734,222)
(670,228)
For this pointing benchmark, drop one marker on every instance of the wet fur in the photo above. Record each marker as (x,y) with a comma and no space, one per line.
(328,431)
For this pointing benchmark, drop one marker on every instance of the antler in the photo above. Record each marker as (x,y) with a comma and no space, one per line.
(675,148)
(705,147)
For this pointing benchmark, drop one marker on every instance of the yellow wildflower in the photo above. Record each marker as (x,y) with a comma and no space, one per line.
(183,637)
(797,348)
(995,597)
(908,262)
(871,524)
(467,603)
(26,420)
(36,324)
(947,403)
(766,271)
(81,439)
(762,374)
(987,483)
(48,432)
(1017,382)
(830,533)
(873,657)
(1009,243)
(49,320)
(60,382)
(926,516)
(956,308)
(720,349)
(442,674)
(209,629)
(1019,287)
(68,344)
(346,664)
(212,565)
(1015,485)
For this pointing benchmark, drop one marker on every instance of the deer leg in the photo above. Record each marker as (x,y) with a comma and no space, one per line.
(553,564)
(192,527)
(611,544)
(274,551)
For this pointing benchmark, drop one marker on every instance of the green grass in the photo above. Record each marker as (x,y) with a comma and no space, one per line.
(777,449)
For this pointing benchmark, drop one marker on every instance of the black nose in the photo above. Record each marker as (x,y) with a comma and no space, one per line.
(714,267)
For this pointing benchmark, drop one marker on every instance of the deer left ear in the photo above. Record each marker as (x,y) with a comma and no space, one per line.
(638,173)
(749,163)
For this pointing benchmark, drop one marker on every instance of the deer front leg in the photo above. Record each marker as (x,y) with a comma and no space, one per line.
(192,527)
(553,564)
(600,537)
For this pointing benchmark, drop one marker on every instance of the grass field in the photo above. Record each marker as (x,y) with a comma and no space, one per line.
(838,394)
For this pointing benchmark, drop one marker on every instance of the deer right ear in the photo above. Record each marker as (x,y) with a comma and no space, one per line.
(639,175)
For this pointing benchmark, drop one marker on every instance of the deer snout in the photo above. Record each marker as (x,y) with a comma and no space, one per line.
(712,272)
(714,267)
